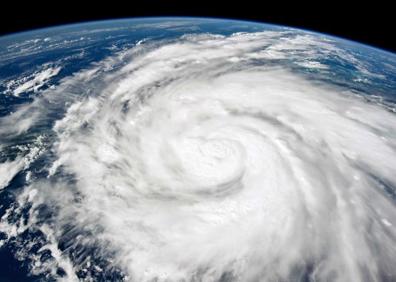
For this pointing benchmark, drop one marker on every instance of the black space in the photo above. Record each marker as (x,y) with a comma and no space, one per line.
(372,23)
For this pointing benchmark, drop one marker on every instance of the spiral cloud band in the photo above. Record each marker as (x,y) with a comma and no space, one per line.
(204,159)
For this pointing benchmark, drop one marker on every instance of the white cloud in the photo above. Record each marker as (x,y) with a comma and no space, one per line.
(312,65)
(8,170)
(192,161)
(32,82)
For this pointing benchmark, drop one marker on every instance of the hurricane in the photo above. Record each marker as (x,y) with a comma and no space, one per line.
(203,158)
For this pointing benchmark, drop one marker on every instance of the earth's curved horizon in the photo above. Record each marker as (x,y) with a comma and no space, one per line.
(195,149)
(257,22)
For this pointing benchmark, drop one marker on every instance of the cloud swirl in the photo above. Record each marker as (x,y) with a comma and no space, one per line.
(205,159)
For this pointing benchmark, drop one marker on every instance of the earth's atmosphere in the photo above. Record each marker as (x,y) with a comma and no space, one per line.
(191,149)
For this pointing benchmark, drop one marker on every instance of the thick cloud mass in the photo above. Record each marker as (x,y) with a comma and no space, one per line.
(203,160)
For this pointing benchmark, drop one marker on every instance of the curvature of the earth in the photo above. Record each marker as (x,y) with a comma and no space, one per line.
(188,149)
